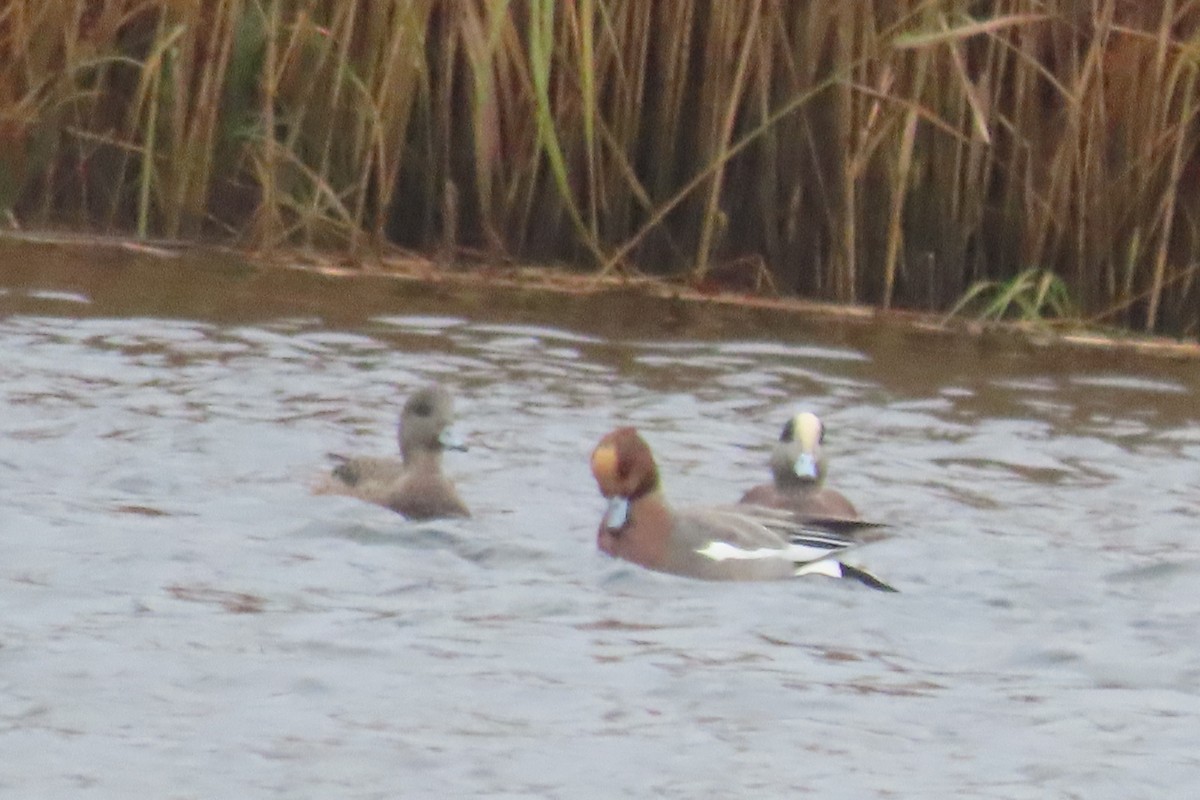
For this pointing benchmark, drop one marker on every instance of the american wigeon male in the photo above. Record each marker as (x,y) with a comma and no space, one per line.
(413,485)
(726,543)
(798,467)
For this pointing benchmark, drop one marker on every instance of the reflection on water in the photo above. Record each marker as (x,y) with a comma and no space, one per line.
(183,618)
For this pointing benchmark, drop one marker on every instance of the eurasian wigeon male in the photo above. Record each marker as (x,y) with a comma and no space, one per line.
(798,467)
(413,485)
(723,543)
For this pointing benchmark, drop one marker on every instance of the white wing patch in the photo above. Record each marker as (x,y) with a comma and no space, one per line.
(797,553)
(723,551)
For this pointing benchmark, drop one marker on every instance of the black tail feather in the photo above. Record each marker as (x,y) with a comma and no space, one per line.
(862,576)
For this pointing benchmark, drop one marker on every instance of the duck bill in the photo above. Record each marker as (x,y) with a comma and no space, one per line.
(617,513)
(450,440)
(805,467)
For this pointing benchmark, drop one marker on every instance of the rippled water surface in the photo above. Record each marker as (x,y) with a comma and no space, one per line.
(182,617)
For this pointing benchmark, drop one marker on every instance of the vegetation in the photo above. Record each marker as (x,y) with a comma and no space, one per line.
(1032,296)
(896,153)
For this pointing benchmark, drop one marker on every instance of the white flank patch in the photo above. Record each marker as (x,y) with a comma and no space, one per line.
(826,566)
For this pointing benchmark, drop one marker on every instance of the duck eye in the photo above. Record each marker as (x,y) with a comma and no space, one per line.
(422,409)
(789,431)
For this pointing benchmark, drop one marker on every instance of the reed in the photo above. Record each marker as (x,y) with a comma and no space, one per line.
(913,153)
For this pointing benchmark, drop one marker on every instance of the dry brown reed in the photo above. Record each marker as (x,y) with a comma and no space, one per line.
(902,154)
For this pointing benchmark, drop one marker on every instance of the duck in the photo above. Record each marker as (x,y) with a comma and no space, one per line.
(413,485)
(798,466)
(737,543)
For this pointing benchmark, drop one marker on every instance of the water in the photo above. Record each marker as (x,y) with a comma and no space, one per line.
(181,617)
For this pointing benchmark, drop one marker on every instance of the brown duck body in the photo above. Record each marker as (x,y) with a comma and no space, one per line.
(798,470)
(416,488)
(810,501)
(413,485)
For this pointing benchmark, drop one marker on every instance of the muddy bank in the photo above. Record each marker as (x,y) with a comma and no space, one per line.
(604,304)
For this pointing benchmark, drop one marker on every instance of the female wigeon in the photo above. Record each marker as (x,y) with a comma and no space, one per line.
(413,485)
(728,543)
(798,466)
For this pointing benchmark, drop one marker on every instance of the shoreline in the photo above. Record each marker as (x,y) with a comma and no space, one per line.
(677,298)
